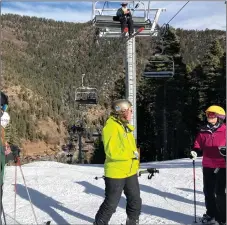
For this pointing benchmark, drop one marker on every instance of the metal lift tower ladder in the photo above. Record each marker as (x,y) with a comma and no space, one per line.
(131,78)
(109,28)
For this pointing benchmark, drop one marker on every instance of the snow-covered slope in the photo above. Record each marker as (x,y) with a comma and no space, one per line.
(69,194)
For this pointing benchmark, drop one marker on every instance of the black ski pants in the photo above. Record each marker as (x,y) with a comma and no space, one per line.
(214,185)
(126,21)
(113,190)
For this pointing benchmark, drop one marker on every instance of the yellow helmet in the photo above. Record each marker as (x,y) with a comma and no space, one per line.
(120,106)
(216,109)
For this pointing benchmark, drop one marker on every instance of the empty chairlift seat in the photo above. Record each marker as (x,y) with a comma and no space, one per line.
(159,68)
(86,96)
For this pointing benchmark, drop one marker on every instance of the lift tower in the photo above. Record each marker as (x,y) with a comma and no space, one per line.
(109,28)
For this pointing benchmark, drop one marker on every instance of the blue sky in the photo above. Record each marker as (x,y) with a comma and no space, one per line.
(196,14)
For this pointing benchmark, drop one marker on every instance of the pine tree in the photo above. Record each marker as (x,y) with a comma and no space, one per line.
(212,71)
(162,102)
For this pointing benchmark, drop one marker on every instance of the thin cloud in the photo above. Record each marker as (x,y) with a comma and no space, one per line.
(61,12)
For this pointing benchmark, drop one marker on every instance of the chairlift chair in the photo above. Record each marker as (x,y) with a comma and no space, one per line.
(109,25)
(86,96)
(159,68)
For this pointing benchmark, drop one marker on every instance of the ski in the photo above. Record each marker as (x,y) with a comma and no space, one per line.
(124,32)
(136,33)
(199,222)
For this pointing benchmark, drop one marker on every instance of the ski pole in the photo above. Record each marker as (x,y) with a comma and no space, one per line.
(15,192)
(18,162)
(194,156)
(4,216)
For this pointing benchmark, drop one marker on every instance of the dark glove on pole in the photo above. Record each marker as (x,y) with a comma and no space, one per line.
(16,154)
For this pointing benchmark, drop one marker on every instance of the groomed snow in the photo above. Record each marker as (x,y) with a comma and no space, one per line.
(69,194)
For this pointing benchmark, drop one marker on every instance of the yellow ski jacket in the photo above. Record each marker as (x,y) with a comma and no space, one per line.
(119,146)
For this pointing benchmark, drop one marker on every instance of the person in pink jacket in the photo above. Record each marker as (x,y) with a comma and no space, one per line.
(209,139)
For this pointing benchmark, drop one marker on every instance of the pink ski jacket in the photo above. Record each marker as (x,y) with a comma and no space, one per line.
(208,142)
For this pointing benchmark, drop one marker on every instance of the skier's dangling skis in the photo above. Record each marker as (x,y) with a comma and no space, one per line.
(123,35)
(137,32)
(125,31)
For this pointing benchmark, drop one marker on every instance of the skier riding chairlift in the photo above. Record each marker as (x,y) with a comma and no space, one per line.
(124,15)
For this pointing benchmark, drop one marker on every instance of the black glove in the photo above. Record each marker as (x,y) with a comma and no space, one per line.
(16,153)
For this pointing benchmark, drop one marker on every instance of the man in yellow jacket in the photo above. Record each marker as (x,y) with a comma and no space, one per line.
(121,165)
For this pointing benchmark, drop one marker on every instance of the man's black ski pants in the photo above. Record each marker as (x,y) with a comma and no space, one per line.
(214,190)
(113,191)
(126,21)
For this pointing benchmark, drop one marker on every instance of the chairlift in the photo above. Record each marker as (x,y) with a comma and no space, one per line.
(108,25)
(160,65)
(86,95)
(159,68)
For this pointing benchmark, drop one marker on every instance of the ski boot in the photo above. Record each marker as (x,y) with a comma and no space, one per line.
(132,222)
(99,223)
(206,219)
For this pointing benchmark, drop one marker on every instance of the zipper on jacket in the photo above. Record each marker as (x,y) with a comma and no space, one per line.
(128,142)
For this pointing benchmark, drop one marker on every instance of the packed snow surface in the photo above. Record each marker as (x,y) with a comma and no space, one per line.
(69,194)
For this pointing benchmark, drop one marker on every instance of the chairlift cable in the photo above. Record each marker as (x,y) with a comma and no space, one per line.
(165,27)
(104,5)
(178,11)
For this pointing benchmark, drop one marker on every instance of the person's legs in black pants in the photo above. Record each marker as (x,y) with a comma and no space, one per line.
(113,191)
(123,22)
(209,178)
(130,25)
(134,202)
(221,195)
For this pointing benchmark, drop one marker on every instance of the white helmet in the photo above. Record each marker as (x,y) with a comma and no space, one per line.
(5,118)
(120,106)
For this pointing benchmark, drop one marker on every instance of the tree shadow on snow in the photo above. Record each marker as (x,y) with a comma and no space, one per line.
(146,209)
(168,195)
(171,164)
(48,205)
